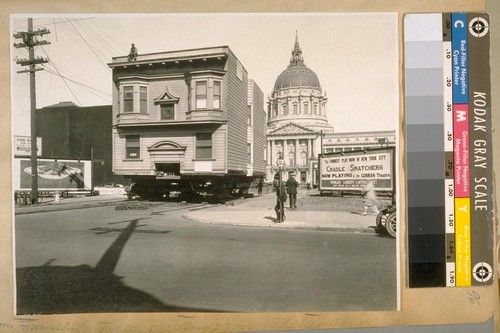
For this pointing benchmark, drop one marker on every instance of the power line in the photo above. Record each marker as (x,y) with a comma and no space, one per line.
(86,87)
(51,21)
(118,46)
(94,42)
(88,44)
(50,61)
(75,39)
(98,35)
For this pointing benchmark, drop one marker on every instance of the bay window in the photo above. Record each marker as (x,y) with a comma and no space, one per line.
(134,98)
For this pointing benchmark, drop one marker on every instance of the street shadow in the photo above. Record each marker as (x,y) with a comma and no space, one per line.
(273,219)
(84,289)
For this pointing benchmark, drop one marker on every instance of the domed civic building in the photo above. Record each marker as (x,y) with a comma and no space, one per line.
(296,120)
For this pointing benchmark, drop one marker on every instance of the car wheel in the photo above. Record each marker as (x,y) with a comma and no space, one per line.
(391,224)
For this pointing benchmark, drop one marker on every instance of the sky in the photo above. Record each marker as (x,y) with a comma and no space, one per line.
(354,55)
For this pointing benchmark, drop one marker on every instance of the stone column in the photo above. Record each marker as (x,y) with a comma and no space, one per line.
(297,151)
(268,155)
(312,148)
(309,150)
(284,152)
(273,152)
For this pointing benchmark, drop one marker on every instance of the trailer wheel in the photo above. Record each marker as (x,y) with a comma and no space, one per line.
(243,191)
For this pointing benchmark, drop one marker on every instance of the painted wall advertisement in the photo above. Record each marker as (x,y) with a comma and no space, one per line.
(54,174)
(351,171)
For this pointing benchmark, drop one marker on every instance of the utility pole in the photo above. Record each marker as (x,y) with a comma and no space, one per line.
(30,41)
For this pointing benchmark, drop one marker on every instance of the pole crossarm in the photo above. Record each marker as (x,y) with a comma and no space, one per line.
(30,70)
(33,43)
(36,61)
(38,32)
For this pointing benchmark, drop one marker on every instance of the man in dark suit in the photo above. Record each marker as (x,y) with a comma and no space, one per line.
(291,189)
(281,197)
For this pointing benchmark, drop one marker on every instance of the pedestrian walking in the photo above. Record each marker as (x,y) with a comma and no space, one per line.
(370,200)
(281,197)
(260,184)
(291,189)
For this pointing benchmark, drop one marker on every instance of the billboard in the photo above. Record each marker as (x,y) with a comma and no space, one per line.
(53,174)
(351,171)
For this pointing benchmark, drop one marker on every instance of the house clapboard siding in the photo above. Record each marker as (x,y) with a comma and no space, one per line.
(237,115)
(258,129)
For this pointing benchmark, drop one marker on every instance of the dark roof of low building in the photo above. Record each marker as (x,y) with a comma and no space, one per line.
(61,105)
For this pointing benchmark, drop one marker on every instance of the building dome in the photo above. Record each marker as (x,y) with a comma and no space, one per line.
(298,97)
(297,74)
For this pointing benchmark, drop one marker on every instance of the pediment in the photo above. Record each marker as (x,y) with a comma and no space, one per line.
(166,146)
(166,97)
(292,128)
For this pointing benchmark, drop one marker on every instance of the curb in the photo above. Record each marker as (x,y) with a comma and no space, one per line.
(282,226)
(63,207)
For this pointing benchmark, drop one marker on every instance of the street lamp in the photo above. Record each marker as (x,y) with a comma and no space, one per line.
(280,163)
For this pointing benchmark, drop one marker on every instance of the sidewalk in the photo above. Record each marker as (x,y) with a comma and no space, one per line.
(259,212)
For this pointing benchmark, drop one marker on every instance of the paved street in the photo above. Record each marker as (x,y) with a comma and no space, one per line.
(102,259)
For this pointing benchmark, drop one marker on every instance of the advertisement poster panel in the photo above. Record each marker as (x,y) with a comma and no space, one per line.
(351,171)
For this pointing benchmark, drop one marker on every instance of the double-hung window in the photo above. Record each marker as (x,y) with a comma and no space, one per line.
(201,94)
(143,99)
(203,145)
(132,147)
(216,99)
(128,99)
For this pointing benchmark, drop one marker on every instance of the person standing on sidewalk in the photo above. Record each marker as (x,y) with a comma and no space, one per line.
(291,189)
(281,197)
(260,184)
(371,200)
